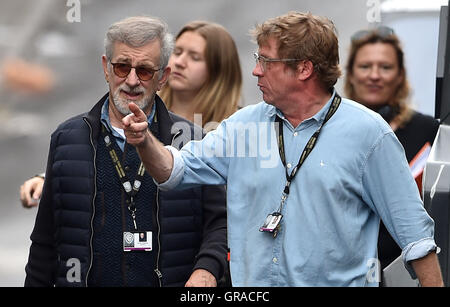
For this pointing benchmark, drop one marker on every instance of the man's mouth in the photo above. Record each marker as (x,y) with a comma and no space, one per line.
(131,95)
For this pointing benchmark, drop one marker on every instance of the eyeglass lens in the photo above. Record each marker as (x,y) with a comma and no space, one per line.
(122,70)
(260,60)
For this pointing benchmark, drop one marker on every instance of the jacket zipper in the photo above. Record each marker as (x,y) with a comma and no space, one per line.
(157,271)
(93,202)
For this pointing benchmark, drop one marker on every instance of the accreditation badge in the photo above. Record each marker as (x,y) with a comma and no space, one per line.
(271,223)
(137,241)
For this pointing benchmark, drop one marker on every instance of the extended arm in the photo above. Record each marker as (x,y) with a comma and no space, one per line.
(157,160)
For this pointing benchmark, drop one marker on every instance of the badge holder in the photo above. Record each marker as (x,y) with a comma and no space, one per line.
(137,241)
(272,223)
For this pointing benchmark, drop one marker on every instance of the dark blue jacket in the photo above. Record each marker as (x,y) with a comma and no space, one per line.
(190,224)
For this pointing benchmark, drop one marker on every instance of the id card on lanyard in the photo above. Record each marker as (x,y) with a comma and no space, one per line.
(272,224)
(137,241)
(133,240)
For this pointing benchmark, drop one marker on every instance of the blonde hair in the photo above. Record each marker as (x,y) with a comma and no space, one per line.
(307,37)
(219,96)
(399,102)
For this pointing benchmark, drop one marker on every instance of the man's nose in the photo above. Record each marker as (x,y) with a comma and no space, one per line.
(132,79)
(257,71)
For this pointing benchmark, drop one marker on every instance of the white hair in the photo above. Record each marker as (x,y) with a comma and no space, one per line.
(139,31)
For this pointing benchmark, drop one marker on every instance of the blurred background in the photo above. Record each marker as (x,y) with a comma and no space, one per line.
(50,70)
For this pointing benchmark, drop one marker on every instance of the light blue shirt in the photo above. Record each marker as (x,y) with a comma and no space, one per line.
(118,133)
(356,174)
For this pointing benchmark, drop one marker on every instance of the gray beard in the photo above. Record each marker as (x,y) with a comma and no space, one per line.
(121,104)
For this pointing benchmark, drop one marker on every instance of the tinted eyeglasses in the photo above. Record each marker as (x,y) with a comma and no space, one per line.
(381,31)
(144,74)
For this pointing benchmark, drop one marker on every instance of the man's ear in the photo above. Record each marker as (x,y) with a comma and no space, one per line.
(105,67)
(164,78)
(305,70)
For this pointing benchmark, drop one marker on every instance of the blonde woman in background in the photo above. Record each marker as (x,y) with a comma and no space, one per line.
(206,76)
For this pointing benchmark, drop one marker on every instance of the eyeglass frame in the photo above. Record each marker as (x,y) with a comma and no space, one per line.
(265,60)
(381,31)
(152,71)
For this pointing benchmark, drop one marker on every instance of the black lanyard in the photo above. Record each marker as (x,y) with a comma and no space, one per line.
(306,151)
(130,190)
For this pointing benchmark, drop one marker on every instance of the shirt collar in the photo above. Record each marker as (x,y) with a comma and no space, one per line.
(318,117)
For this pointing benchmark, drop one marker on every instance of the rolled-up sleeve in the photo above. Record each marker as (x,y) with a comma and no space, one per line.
(177,171)
(417,250)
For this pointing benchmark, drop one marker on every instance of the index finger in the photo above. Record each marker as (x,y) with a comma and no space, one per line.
(138,113)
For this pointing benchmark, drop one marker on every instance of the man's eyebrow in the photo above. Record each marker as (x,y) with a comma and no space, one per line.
(127,60)
(124,59)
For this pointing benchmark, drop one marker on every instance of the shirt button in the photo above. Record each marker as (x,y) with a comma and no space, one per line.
(295,133)
(275,259)
(289,165)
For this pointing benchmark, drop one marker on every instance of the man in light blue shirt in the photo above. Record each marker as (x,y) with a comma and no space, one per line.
(308,174)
